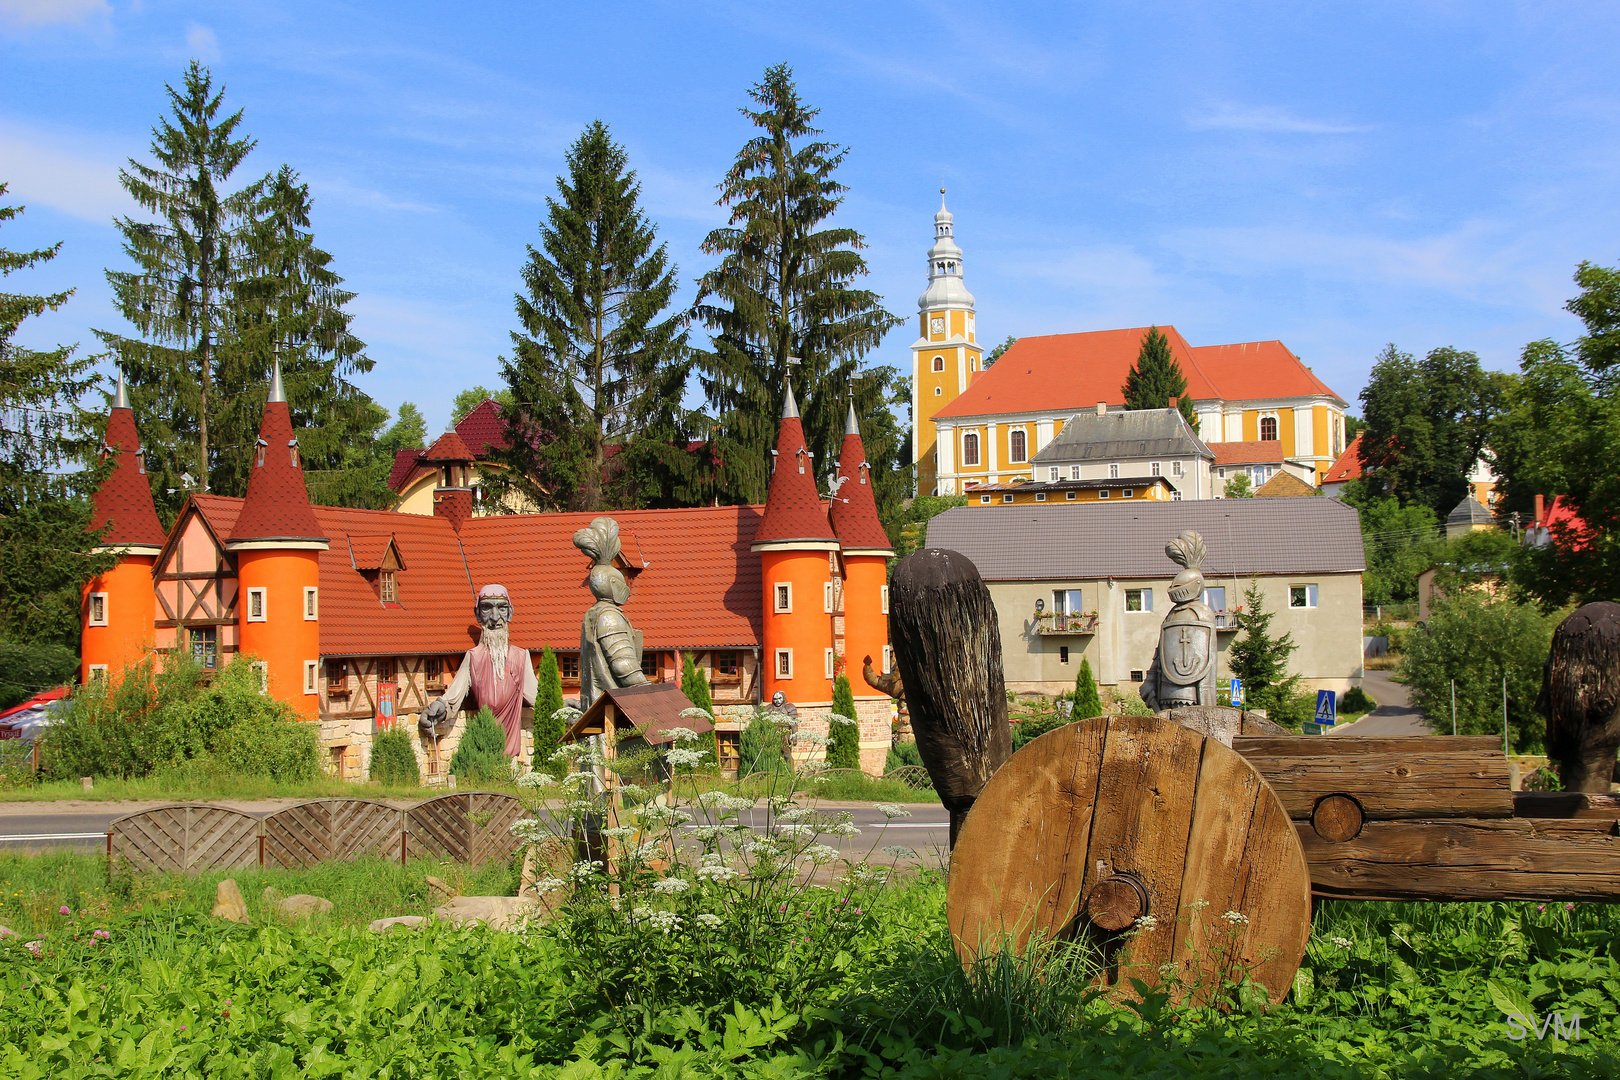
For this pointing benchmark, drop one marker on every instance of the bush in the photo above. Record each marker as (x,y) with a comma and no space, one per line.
(1087,702)
(481,755)
(393,759)
(902,754)
(25,670)
(1286,704)
(1131,704)
(154,722)
(761,745)
(1356,700)
(843,739)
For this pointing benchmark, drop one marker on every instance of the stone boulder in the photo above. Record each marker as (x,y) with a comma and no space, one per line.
(495,912)
(440,890)
(228,902)
(302,906)
(383,926)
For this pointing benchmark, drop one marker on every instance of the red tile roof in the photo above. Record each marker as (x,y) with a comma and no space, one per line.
(405,462)
(449,447)
(1070,372)
(366,552)
(484,429)
(793,510)
(1348,465)
(277,503)
(125,499)
(854,509)
(1248,453)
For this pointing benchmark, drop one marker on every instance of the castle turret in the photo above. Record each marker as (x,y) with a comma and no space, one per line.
(119,611)
(866,554)
(277,543)
(798,553)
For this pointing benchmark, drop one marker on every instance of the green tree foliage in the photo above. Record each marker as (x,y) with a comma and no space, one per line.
(908,531)
(25,670)
(468,400)
(1156,377)
(1256,657)
(1477,637)
(45,542)
(784,289)
(481,755)
(1240,486)
(600,359)
(548,699)
(695,685)
(226,282)
(154,722)
(393,759)
(998,352)
(1472,559)
(843,740)
(762,745)
(1543,408)
(1087,702)
(407,432)
(1400,543)
(1427,421)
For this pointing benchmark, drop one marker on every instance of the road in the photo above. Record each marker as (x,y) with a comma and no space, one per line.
(1393,717)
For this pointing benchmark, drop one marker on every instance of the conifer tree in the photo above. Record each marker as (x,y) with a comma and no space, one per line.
(44,547)
(695,685)
(599,359)
(783,290)
(548,699)
(1087,701)
(1156,377)
(843,740)
(1256,657)
(481,754)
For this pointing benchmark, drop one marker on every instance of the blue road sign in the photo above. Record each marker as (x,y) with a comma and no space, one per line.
(1237,693)
(1326,706)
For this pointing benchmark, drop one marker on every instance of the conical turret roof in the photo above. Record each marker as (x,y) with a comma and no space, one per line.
(793,512)
(276,508)
(125,499)
(854,506)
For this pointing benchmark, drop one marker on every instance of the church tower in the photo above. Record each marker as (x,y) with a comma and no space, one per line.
(946,356)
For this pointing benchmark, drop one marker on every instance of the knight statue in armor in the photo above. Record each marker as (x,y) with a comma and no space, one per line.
(1183,671)
(609,647)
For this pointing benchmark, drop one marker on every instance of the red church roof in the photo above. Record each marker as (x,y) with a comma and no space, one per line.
(793,509)
(854,508)
(1257,370)
(1348,465)
(1248,453)
(125,499)
(277,503)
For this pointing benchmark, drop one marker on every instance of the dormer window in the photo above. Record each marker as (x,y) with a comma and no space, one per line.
(387,587)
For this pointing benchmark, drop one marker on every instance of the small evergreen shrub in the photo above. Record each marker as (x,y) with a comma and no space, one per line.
(902,754)
(761,745)
(695,685)
(843,739)
(1356,700)
(393,759)
(481,755)
(1087,702)
(548,700)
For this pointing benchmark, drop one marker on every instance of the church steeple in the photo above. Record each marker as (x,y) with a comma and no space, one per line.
(946,356)
(945,286)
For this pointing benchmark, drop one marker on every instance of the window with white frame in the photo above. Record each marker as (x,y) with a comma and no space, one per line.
(1071,495)
(1113,470)
(261,676)
(984,500)
(939,392)
(1074,472)
(827,656)
(1017,445)
(1138,599)
(98,672)
(1175,496)
(98,609)
(1128,493)
(312,603)
(1040,496)
(1153,469)
(256,605)
(1268,429)
(883,594)
(1302,596)
(1215,597)
(783,591)
(1102,493)
(784,663)
(939,363)
(970,448)
(888,659)
(312,669)
(1052,474)
(1175,468)
(827,597)
(1007,498)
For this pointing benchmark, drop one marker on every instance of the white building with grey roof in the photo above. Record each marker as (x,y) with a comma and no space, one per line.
(1089,580)
(1125,445)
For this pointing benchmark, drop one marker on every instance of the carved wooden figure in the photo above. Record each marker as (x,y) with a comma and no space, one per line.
(1580,696)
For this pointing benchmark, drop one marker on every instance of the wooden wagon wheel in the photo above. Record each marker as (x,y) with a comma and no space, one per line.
(1095,824)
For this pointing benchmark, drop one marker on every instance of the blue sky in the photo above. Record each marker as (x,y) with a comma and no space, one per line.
(1336,175)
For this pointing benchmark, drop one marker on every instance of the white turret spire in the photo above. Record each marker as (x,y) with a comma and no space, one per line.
(945,287)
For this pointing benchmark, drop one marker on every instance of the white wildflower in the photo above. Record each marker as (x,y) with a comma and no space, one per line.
(577,807)
(620,832)
(652,849)
(1343,943)
(567,714)
(534,779)
(695,712)
(685,759)
(576,780)
(820,854)
(716,873)
(1236,918)
(792,832)
(568,751)
(671,885)
(809,738)
(782,802)
(584,870)
(631,790)
(864,874)
(667,921)
(708,834)
(641,911)
(899,852)
(712,921)
(843,828)
(549,884)
(795,814)
(891,810)
(681,734)
(1144,923)
(530,831)
(841,720)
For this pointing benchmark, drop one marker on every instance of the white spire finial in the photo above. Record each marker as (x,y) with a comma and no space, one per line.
(276,391)
(850,426)
(790,408)
(120,396)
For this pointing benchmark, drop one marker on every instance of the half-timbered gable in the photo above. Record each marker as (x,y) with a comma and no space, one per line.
(195,582)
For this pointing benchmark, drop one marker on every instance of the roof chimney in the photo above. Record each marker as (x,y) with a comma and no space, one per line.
(1174,402)
(1541,509)
(1102,408)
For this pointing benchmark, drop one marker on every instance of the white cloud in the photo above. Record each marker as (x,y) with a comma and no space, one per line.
(202,42)
(48,174)
(1268,119)
(42,12)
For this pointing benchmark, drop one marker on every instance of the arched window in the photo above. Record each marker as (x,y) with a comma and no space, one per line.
(1017,449)
(1268,428)
(970,449)
(939,363)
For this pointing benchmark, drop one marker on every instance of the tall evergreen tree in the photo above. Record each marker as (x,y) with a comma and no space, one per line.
(44,544)
(599,358)
(1156,377)
(1256,657)
(783,290)
(548,699)
(843,739)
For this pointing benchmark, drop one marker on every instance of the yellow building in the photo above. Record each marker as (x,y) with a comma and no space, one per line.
(1152,488)
(946,357)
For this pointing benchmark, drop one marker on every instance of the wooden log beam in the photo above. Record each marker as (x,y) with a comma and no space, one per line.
(1418,777)
(1481,859)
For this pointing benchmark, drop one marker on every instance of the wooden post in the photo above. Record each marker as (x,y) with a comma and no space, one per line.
(261,849)
(404,839)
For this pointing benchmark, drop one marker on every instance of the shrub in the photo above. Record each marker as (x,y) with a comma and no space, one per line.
(1087,701)
(25,670)
(393,758)
(902,754)
(843,739)
(481,755)
(548,702)
(1356,701)
(1131,704)
(761,745)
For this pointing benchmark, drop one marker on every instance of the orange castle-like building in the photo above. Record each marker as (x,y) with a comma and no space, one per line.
(345,610)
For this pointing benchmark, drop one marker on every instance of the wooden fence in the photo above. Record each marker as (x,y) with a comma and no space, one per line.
(470,826)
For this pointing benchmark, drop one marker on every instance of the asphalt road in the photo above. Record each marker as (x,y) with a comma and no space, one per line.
(1394,715)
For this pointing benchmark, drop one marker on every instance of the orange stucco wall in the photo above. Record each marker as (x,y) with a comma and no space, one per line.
(285,640)
(807,629)
(866,627)
(128,635)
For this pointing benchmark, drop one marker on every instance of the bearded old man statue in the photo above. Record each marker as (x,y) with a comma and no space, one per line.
(497,675)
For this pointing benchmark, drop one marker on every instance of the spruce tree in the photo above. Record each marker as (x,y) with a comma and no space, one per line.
(783,290)
(695,685)
(844,740)
(45,547)
(1087,701)
(599,359)
(1156,377)
(1256,657)
(548,699)
(481,754)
